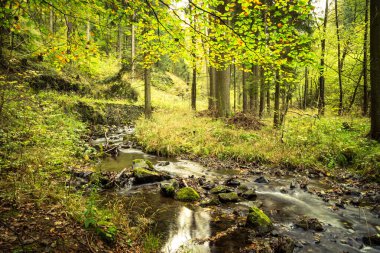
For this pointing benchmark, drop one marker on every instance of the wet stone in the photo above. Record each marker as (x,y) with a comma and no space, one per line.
(262,180)
(143,176)
(208,186)
(210,202)
(168,187)
(141,163)
(309,223)
(292,185)
(232,182)
(228,197)
(250,194)
(221,189)
(163,163)
(373,240)
(187,194)
(259,221)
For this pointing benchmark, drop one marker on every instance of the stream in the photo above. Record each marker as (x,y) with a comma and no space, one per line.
(186,227)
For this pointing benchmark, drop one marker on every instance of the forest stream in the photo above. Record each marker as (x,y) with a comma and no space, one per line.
(193,228)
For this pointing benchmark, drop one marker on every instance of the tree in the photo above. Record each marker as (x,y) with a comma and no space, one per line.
(365,62)
(321,98)
(340,60)
(375,66)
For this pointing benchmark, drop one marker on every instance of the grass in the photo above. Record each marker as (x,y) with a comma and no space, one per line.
(305,142)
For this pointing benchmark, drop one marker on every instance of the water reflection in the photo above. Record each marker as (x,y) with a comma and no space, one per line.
(190,225)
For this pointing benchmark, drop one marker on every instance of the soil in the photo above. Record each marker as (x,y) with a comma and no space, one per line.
(48,228)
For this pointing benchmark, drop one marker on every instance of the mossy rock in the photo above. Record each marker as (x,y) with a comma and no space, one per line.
(259,221)
(141,163)
(228,197)
(168,188)
(187,194)
(210,202)
(221,189)
(249,194)
(143,176)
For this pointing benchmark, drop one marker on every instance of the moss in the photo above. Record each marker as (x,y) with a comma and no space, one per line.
(228,197)
(187,194)
(146,176)
(220,189)
(141,163)
(258,220)
(168,188)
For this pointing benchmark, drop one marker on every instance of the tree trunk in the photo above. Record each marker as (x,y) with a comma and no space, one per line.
(254,89)
(88,31)
(305,93)
(194,89)
(340,61)
(365,62)
(276,115)
(120,38)
(375,66)
(234,76)
(212,96)
(51,19)
(147,94)
(133,49)
(69,26)
(245,92)
(321,98)
(222,92)
(262,93)
(268,99)
(222,79)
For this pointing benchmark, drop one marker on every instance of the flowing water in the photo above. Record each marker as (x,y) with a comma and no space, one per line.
(184,227)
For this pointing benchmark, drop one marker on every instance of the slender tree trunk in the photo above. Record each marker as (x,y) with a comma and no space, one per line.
(254,89)
(305,93)
(133,49)
(51,19)
(262,93)
(69,31)
(276,115)
(365,62)
(222,92)
(234,74)
(194,56)
(251,96)
(321,98)
(147,94)
(268,99)
(245,92)
(120,39)
(212,96)
(340,62)
(375,66)
(355,92)
(88,31)
(194,89)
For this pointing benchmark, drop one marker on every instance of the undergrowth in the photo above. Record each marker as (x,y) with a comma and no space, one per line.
(304,142)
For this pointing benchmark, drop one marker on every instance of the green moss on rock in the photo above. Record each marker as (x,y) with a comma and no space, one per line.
(258,220)
(187,194)
(146,176)
(221,189)
(141,163)
(168,188)
(228,197)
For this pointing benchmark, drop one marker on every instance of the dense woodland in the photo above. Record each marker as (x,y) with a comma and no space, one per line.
(293,85)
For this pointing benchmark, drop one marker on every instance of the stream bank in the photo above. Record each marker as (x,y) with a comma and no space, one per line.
(309,212)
